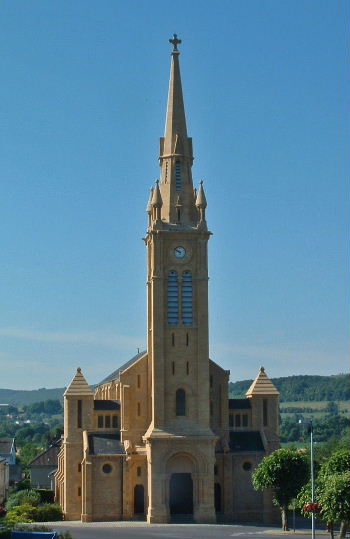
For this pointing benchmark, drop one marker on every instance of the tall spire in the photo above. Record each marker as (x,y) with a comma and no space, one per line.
(175,126)
(176,155)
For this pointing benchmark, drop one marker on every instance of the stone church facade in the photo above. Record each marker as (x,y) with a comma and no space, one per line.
(159,438)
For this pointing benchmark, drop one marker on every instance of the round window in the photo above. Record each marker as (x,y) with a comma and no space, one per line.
(106,468)
(247,466)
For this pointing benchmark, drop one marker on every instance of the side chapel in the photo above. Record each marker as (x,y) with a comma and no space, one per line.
(159,437)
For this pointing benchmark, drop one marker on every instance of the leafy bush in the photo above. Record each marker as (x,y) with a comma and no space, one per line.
(24,484)
(49,512)
(19,514)
(32,528)
(46,495)
(21,497)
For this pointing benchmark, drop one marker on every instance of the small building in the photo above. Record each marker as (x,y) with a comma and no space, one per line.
(4,480)
(8,450)
(42,466)
(8,453)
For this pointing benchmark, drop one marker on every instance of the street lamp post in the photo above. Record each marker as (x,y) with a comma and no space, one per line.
(309,427)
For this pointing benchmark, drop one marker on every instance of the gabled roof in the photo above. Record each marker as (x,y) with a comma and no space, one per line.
(105,444)
(239,404)
(78,385)
(47,457)
(262,385)
(246,442)
(115,375)
(7,445)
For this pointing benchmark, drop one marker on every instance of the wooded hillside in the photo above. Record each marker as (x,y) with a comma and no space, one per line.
(303,388)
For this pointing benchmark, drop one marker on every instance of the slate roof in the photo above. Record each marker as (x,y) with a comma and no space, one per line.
(106,405)
(246,442)
(105,444)
(115,375)
(6,445)
(47,457)
(239,404)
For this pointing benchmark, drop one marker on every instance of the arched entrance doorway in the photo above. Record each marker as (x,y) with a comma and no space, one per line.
(180,468)
(181,494)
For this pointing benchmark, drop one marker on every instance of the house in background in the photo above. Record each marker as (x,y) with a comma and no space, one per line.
(4,480)
(43,465)
(8,453)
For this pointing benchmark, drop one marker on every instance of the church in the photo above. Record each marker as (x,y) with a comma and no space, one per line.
(159,438)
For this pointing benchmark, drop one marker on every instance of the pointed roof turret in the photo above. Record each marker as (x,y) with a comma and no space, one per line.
(78,386)
(201,201)
(262,385)
(157,201)
(149,203)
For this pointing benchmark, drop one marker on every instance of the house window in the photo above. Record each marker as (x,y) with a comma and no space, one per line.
(245,420)
(115,422)
(230,420)
(187,292)
(178,183)
(173,298)
(100,421)
(180,402)
(108,421)
(80,414)
(237,420)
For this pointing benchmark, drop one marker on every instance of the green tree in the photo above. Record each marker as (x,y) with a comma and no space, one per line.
(27,453)
(334,497)
(285,471)
(332,490)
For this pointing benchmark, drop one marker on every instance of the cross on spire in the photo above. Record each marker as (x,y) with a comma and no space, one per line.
(175,42)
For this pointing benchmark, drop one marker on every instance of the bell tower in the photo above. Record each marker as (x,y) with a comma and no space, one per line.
(177,333)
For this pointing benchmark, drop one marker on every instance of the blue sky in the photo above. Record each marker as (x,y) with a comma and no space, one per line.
(83,99)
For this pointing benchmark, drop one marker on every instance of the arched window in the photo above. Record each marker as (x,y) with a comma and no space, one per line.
(173,298)
(178,183)
(180,402)
(187,293)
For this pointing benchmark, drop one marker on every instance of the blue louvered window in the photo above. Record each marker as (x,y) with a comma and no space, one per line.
(178,176)
(173,298)
(187,295)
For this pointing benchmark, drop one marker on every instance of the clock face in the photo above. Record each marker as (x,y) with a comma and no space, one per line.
(180,252)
